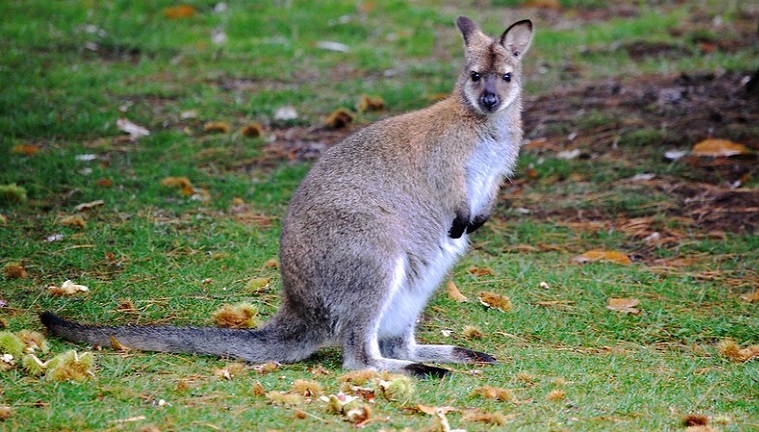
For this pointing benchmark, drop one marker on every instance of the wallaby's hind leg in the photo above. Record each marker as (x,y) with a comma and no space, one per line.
(405,348)
(361,351)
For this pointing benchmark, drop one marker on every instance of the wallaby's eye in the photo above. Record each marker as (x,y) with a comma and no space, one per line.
(507,77)
(475,76)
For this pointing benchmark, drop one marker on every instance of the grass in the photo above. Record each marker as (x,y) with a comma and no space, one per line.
(69,70)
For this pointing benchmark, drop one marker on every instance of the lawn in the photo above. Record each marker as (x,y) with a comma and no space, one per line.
(237,97)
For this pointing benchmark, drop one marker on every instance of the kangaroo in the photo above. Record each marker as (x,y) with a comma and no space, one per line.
(374,227)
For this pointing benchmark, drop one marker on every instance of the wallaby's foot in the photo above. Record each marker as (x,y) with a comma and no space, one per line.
(471,356)
(420,370)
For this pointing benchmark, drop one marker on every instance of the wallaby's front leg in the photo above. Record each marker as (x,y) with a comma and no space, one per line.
(460,222)
(477,222)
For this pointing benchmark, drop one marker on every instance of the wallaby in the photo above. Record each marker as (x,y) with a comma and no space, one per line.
(374,228)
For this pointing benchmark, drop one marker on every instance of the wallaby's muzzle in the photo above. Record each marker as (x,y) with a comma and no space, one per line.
(489,101)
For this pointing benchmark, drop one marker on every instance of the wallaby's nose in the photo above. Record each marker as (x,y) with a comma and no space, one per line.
(488,100)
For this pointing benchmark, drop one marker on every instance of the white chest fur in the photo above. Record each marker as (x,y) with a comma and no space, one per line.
(490,162)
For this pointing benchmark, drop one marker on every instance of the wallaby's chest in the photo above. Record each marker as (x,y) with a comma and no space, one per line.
(492,159)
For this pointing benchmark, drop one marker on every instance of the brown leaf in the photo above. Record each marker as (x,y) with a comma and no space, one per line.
(730,349)
(624,305)
(253,130)
(695,420)
(494,418)
(74,222)
(751,297)
(556,395)
(430,410)
(339,119)
(496,301)
(89,205)
(216,127)
(179,12)
(116,345)
(481,271)
(14,270)
(714,147)
(497,393)
(68,288)
(454,293)
(370,103)
(25,149)
(104,182)
(603,255)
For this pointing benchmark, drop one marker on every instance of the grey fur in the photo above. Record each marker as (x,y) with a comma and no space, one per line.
(374,228)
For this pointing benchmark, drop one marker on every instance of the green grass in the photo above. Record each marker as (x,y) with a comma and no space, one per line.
(176,259)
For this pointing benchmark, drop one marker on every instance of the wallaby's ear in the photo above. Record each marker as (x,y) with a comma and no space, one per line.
(516,39)
(467,27)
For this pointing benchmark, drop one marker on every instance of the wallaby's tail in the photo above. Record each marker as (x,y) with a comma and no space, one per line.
(277,341)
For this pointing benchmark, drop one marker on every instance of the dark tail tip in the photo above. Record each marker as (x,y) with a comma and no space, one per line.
(50,319)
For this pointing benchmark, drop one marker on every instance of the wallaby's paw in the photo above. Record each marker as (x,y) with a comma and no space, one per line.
(471,356)
(420,370)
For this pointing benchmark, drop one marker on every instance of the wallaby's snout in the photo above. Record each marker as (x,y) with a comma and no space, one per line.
(489,100)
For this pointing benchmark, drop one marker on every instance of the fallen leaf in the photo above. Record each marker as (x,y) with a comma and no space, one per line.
(496,393)
(496,301)
(481,271)
(370,103)
(492,418)
(714,147)
(179,12)
(624,305)
(603,255)
(339,119)
(6,412)
(454,293)
(68,288)
(252,130)
(267,367)
(258,389)
(73,221)
(181,183)
(116,345)
(25,149)
(216,127)
(751,297)
(556,395)
(730,349)
(430,410)
(695,420)
(135,131)
(104,182)
(13,270)
(89,205)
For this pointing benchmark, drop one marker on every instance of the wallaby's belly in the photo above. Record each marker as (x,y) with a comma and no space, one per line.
(416,278)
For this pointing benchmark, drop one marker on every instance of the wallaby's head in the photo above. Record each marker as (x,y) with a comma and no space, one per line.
(492,76)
